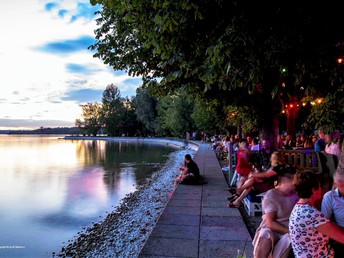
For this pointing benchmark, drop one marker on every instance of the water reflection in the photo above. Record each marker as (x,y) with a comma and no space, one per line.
(50,189)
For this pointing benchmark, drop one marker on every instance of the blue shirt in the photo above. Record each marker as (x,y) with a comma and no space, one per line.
(319,145)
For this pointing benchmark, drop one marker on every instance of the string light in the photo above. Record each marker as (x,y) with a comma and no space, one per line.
(302,104)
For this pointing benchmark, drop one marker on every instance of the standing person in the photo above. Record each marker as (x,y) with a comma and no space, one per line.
(332,206)
(189,173)
(273,230)
(309,229)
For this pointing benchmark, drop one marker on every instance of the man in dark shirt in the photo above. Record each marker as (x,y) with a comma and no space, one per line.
(189,173)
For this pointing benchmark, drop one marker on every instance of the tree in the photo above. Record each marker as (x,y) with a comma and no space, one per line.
(92,118)
(174,115)
(131,125)
(204,115)
(254,55)
(145,109)
(113,110)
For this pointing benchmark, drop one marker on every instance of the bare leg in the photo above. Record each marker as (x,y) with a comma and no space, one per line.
(241,181)
(242,196)
(263,248)
(247,184)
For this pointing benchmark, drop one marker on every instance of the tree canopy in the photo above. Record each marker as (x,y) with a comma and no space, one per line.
(256,55)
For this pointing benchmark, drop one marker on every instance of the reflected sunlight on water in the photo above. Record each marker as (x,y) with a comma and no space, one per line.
(51,188)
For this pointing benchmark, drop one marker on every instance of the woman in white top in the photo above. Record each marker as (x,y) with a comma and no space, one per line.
(332,145)
(271,238)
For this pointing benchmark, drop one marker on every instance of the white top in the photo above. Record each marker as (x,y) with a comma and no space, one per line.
(255,147)
(306,240)
(282,204)
(333,149)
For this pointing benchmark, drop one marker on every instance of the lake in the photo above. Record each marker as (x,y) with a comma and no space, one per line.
(51,188)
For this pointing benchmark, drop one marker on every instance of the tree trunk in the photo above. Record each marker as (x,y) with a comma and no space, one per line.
(269,126)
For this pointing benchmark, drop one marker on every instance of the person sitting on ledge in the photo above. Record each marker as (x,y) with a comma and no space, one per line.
(189,173)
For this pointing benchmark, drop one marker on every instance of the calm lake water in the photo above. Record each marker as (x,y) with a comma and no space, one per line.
(52,188)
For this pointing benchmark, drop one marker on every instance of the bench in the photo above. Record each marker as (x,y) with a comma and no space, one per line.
(253,204)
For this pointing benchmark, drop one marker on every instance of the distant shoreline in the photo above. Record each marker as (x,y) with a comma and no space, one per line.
(179,143)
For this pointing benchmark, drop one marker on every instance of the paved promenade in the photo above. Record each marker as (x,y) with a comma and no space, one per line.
(196,221)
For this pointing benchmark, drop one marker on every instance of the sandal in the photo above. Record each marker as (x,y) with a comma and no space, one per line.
(232,198)
(232,205)
(232,190)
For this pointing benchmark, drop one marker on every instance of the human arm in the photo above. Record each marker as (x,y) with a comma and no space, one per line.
(262,175)
(326,205)
(273,224)
(332,230)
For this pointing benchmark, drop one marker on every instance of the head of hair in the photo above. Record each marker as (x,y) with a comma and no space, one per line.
(285,171)
(277,158)
(243,143)
(339,171)
(305,182)
(188,157)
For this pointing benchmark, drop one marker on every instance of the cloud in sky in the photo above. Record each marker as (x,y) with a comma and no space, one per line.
(84,95)
(46,69)
(81,69)
(67,46)
(73,11)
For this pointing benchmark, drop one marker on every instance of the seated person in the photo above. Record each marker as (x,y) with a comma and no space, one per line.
(263,157)
(255,145)
(244,166)
(189,173)
(310,231)
(260,181)
(332,206)
(271,238)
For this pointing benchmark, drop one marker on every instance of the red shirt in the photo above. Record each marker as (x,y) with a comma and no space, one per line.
(244,167)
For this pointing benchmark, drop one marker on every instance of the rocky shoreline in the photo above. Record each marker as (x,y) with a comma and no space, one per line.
(125,230)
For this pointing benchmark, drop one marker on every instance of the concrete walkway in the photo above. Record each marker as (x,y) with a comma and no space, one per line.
(196,221)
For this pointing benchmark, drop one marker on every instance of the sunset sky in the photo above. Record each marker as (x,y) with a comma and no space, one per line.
(46,70)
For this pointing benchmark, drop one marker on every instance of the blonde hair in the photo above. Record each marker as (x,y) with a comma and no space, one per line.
(277,158)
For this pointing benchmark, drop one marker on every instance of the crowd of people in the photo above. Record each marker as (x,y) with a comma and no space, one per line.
(294,222)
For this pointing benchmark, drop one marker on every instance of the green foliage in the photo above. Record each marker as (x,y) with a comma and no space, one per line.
(204,115)
(115,114)
(174,115)
(328,113)
(92,118)
(145,108)
(242,116)
(113,110)
(240,53)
